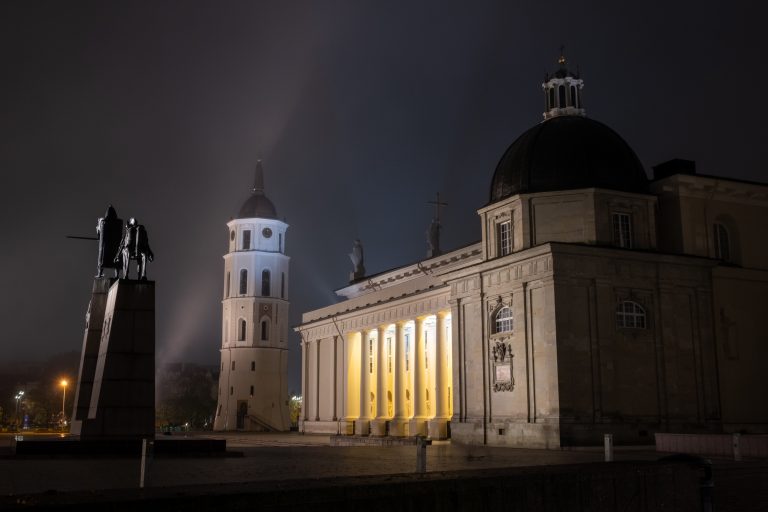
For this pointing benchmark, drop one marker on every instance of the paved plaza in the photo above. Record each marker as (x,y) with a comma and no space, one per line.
(272,457)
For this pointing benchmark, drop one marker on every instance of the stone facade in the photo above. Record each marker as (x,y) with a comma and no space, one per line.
(568,369)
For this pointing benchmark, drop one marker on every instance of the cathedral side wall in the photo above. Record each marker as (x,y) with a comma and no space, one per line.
(739,314)
(633,381)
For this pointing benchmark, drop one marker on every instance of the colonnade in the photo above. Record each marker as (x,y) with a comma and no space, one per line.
(398,378)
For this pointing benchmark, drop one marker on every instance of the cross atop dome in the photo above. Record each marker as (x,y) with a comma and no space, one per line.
(562,91)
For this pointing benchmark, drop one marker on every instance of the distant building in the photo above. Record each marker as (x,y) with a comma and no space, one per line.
(596,301)
(253,387)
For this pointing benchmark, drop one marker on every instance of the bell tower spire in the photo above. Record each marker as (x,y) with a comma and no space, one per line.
(258,180)
(563,91)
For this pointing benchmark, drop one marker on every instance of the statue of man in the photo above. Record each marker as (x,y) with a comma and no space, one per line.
(357,260)
(135,245)
(109,229)
(433,239)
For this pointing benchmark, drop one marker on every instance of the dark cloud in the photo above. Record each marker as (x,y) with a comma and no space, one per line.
(361,111)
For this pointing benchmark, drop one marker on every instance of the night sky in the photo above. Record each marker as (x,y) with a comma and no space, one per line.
(360,112)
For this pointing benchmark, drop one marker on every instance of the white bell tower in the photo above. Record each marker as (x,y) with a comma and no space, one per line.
(253,387)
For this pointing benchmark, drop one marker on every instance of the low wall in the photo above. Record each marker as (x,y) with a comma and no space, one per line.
(637,486)
(717,445)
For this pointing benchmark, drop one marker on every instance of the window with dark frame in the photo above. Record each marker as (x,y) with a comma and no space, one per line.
(622,229)
(243,281)
(504,235)
(246,239)
(504,320)
(630,315)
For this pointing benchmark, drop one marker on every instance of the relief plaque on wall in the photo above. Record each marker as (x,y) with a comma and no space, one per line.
(501,354)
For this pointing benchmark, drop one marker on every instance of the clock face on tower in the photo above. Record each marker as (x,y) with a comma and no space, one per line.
(266,232)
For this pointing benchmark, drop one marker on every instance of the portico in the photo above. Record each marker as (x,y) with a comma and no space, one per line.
(394,376)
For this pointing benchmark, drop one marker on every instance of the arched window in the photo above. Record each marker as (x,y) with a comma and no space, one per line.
(264,330)
(243,281)
(630,315)
(722,242)
(227,286)
(241,330)
(246,239)
(573,96)
(253,366)
(265,283)
(251,390)
(551,97)
(561,96)
(503,320)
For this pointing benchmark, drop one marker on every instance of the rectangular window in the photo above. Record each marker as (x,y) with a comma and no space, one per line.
(228,285)
(253,366)
(504,236)
(370,355)
(233,366)
(622,229)
(246,239)
(251,390)
(407,352)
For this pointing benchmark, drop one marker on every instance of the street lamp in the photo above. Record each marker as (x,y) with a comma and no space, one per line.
(18,398)
(63,398)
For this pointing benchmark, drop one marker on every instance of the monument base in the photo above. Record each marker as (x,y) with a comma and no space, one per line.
(122,404)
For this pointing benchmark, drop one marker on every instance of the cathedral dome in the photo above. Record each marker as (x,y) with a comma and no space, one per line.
(567,152)
(258,205)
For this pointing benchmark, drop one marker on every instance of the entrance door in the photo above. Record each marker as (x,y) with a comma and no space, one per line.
(242,411)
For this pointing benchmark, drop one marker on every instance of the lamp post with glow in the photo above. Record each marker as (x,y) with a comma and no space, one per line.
(18,398)
(63,398)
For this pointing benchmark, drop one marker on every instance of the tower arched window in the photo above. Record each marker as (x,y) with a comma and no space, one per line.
(573,96)
(227,286)
(722,242)
(265,277)
(630,315)
(551,97)
(561,96)
(241,328)
(243,281)
(246,239)
(264,330)
(503,321)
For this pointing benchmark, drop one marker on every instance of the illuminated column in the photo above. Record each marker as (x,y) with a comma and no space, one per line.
(317,380)
(438,426)
(362,425)
(379,427)
(418,423)
(351,383)
(399,424)
(305,382)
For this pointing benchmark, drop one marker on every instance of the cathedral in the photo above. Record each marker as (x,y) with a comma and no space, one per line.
(596,301)
(253,387)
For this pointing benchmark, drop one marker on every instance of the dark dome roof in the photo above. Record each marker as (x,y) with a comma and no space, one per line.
(568,152)
(258,205)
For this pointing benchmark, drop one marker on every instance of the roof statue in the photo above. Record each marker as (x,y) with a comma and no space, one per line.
(433,233)
(135,246)
(109,229)
(358,272)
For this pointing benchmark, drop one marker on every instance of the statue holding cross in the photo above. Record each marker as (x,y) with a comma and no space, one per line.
(433,233)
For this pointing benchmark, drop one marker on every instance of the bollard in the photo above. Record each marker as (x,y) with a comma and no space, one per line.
(736,447)
(146,454)
(608,444)
(421,453)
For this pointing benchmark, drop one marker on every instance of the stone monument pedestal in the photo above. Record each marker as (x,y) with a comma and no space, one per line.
(94,321)
(122,400)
